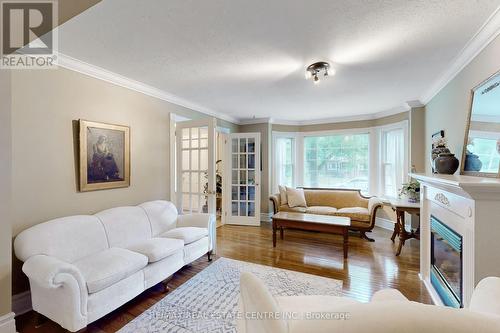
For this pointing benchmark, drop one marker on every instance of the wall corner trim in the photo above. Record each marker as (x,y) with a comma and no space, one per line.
(82,67)
(7,323)
(484,36)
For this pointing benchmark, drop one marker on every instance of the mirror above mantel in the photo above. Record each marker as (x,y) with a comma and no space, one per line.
(481,156)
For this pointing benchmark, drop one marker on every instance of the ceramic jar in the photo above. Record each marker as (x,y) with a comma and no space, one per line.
(435,153)
(472,162)
(446,163)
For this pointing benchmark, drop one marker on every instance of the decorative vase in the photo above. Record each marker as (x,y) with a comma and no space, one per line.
(435,153)
(472,162)
(414,198)
(446,163)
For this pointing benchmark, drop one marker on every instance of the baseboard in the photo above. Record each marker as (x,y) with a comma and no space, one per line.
(266,217)
(389,224)
(21,303)
(384,223)
(7,323)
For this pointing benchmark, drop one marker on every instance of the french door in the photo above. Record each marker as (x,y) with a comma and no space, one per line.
(242,179)
(195,146)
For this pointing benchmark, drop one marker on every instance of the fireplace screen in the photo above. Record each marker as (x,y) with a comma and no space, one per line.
(446,263)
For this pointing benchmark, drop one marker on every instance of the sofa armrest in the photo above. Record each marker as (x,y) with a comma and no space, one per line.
(275,200)
(486,296)
(374,203)
(200,220)
(51,273)
(388,295)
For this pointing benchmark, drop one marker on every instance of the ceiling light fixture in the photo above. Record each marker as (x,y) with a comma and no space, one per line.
(318,69)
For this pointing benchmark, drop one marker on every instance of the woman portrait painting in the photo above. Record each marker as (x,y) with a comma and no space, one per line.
(105,152)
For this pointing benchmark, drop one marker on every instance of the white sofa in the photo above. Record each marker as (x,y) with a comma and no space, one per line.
(81,268)
(388,312)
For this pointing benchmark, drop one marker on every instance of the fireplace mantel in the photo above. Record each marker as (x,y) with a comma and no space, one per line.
(472,187)
(471,207)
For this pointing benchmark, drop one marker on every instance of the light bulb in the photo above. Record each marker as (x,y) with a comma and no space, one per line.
(316,79)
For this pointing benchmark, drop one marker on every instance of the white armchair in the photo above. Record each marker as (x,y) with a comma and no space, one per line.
(388,312)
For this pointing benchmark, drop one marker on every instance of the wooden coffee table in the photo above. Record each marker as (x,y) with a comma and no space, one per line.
(322,223)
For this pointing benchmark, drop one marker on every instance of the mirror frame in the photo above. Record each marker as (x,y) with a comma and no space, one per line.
(466,140)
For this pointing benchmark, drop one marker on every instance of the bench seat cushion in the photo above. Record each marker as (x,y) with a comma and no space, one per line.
(105,268)
(157,249)
(187,234)
(286,208)
(355,213)
(321,210)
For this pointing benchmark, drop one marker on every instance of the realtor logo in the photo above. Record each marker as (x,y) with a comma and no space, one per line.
(28,37)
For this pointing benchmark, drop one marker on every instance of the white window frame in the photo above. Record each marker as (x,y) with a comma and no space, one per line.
(287,135)
(375,150)
(403,125)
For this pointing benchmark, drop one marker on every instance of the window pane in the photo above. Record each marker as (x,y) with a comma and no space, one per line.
(336,161)
(284,161)
(393,170)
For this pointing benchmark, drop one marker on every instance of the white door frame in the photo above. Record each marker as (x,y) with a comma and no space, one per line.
(229,184)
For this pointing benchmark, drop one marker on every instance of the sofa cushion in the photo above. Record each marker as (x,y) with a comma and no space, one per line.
(283,196)
(161,214)
(157,249)
(105,268)
(286,208)
(125,226)
(355,213)
(187,234)
(295,197)
(321,210)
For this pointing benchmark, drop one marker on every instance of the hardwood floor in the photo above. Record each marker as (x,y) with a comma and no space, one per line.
(370,267)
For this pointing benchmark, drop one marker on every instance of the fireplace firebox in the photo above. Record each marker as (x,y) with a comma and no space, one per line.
(446,263)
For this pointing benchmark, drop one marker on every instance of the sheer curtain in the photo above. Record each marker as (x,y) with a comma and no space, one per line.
(284,166)
(393,163)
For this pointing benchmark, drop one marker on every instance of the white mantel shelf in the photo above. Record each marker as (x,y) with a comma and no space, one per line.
(475,187)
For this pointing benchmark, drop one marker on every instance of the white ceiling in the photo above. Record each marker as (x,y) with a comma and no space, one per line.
(247,59)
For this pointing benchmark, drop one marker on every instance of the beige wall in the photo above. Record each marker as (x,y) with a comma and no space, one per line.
(448,110)
(265,138)
(342,125)
(5,193)
(45,105)
(417,144)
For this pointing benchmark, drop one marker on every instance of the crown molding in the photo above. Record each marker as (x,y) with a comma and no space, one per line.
(488,31)
(82,67)
(373,116)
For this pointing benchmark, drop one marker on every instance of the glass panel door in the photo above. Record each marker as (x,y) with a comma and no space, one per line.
(243,179)
(196,166)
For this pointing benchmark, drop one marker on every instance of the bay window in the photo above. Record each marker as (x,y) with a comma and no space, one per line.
(373,160)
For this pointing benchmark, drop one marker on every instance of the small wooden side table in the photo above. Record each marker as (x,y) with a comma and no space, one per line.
(402,206)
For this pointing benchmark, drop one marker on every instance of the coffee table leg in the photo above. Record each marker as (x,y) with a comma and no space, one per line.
(346,242)
(274,233)
(281,233)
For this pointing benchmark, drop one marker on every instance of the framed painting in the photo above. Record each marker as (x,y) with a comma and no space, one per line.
(104,156)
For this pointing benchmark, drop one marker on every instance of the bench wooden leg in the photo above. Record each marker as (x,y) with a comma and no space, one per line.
(346,242)
(363,235)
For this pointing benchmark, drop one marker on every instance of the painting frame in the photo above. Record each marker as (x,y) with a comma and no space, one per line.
(121,182)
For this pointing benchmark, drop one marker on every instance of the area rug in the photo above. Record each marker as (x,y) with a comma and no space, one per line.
(208,302)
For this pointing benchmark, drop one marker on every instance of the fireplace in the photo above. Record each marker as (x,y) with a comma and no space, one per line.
(446,263)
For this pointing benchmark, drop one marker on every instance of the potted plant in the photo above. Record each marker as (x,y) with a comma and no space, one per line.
(411,190)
